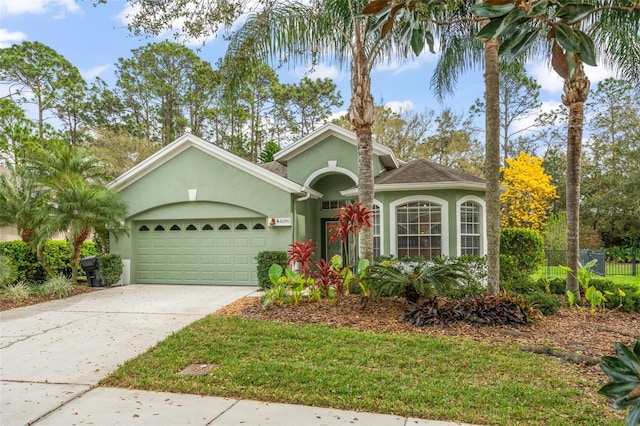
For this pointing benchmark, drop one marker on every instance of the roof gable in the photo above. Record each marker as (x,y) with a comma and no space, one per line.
(190,141)
(387,157)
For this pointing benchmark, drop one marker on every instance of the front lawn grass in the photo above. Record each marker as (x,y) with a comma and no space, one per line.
(406,374)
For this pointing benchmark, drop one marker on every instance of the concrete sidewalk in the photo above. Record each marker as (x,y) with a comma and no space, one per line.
(52,356)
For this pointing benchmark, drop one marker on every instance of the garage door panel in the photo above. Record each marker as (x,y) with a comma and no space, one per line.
(198,256)
(241,243)
(259,243)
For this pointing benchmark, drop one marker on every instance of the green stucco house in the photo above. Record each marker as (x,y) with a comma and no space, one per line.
(200,215)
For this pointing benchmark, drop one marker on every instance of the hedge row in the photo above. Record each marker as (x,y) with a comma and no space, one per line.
(57,254)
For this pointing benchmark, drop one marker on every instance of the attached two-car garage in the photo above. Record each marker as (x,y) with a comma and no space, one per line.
(200,215)
(220,251)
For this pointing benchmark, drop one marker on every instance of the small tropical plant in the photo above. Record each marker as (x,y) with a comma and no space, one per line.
(584,276)
(624,371)
(59,286)
(287,288)
(302,254)
(415,280)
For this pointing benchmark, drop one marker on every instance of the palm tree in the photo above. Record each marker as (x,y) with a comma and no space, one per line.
(461,50)
(615,26)
(78,208)
(335,30)
(77,202)
(20,197)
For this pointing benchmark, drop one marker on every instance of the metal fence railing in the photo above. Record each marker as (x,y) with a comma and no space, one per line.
(603,267)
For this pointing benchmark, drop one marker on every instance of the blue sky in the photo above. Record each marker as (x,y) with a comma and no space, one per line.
(93,38)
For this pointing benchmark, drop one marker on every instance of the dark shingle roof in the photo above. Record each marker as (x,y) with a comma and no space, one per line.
(275,167)
(422,170)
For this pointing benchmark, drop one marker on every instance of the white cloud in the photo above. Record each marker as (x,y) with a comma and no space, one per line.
(318,71)
(7,38)
(338,114)
(528,121)
(546,77)
(21,7)
(94,72)
(400,65)
(399,106)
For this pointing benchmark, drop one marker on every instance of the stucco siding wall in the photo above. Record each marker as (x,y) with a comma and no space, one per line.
(317,157)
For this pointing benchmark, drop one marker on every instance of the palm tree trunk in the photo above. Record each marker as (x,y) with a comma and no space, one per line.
(492,163)
(75,253)
(576,91)
(361,118)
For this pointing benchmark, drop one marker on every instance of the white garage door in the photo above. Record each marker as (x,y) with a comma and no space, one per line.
(199,251)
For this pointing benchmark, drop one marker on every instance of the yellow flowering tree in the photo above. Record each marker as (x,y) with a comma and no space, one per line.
(526,201)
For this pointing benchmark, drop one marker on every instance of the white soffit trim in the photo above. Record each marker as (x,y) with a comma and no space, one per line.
(187,141)
(420,186)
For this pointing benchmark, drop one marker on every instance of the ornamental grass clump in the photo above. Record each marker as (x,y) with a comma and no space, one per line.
(17,292)
(59,286)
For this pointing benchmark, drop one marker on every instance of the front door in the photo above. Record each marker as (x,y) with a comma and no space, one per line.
(330,248)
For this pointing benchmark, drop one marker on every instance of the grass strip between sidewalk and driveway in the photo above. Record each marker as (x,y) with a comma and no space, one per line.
(412,375)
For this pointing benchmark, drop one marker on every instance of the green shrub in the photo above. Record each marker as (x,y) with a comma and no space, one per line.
(29,269)
(630,302)
(265,259)
(59,286)
(58,255)
(8,271)
(548,304)
(522,285)
(521,253)
(18,292)
(110,268)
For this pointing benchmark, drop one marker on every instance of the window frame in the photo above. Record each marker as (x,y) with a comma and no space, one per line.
(482,222)
(444,220)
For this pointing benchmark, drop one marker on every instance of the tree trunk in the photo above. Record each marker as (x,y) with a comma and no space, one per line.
(76,247)
(492,163)
(361,118)
(576,91)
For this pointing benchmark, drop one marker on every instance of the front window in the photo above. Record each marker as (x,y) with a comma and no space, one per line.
(470,229)
(419,229)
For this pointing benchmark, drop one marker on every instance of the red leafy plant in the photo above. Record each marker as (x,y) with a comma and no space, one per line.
(351,219)
(302,254)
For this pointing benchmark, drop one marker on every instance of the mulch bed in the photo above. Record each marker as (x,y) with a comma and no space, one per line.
(6,304)
(573,332)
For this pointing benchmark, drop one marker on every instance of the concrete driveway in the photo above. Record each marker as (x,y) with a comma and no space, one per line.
(53,352)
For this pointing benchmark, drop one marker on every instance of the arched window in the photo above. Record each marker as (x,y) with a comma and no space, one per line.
(174,228)
(159,228)
(143,228)
(223,227)
(419,229)
(258,226)
(191,227)
(207,227)
(470,229)
(241,227)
